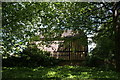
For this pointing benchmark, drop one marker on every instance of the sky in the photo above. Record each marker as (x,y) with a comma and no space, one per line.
(92,45)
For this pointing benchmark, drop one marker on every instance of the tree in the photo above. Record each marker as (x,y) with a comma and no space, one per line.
(50,19)
(17,27)
(116,24)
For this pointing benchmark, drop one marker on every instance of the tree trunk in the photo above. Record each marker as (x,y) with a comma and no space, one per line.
(116,24)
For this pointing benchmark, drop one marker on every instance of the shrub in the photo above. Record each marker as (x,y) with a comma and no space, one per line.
(31,57)
(94,61)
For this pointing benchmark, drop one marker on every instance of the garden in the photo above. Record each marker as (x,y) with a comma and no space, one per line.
(60,41)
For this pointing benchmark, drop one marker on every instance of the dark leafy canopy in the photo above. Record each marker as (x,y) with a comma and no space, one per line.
(22,21)
(17,27)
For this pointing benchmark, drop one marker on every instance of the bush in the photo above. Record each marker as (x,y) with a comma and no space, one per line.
(94,61)
(31,57)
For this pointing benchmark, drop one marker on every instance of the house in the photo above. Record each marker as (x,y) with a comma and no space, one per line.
(70,45)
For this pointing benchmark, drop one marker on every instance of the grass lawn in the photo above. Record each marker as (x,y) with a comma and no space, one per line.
(58,73)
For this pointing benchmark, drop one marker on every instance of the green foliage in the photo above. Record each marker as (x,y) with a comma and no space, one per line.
(105,48)
(16,28)
(31,57)
(104,52)
(103,55)
(22,21)
(59,73)
(32,50)
(94,61)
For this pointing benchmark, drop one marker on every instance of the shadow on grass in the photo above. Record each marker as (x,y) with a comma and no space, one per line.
(58,73)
